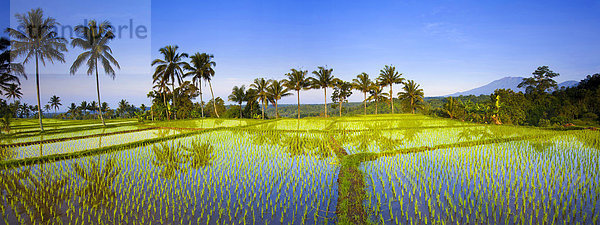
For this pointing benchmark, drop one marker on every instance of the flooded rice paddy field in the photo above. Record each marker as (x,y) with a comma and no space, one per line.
(388,169)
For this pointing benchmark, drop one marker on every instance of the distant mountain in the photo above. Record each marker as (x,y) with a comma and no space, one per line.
(505,83)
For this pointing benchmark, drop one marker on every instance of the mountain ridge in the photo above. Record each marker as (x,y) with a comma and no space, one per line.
(504,83)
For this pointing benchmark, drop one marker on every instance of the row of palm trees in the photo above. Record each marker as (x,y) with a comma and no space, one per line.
(173,68)
(38,42)
(271,91)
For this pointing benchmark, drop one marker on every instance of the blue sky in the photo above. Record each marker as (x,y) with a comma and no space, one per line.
(446,46)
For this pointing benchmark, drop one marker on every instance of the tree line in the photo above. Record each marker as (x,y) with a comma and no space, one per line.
(542,103)
(172,94)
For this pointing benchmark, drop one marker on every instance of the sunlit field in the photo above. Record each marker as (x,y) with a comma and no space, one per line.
(386,169)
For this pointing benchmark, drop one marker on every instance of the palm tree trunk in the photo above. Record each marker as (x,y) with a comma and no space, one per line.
(37,85)
(392,98)
(201,102)
(166,108)
(375,107)
(412,105)
(276,111)
(213,99)
(340,108)
(241,116)
(365,102)
(173,86)
(98,92)
(264,109)
(298,91)
(325,91)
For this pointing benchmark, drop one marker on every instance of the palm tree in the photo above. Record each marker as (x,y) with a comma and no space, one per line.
(83,106)
(413,93)
(38,41)
(322,79)
(238,95)
(362,83)
(93,39)
(47,108)
(171,67)
(123,106)
(13,91)
(377,95)
(9,71)
(160,82)
(200,68)
(261,84)
(55,102)
(297,80)
(251,98)
(93,106)
(275,92)
(72,109)
(389,76)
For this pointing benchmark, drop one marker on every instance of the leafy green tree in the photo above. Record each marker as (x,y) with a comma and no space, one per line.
(185,93)
(389,76)
(276,92)
(170,68)
(219,109)
(38,41)
(541,82)
(323,79)
(512,106)
(238,95)
(363,83)
(341,91)
(93,39)
(261,85)
(297,81)
(55,102)
(413,94)
(454,108)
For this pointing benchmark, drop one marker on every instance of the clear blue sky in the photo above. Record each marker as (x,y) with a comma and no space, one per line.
(446,46)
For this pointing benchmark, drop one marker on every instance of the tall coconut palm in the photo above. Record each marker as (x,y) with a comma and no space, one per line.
(200,69)
(55,102)
(47,108)
(83,106)
(238,95)
(93,38)
(377,95)
(13,91)
(160,83)
(275,92)
(297,81)
(170,68)
(251,99)
(411,93)
(261,84)
(39,41)
(389,76)
(323,79)
(9,71)
(362,83)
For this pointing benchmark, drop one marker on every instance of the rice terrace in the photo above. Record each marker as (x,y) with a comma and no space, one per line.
(116,112)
